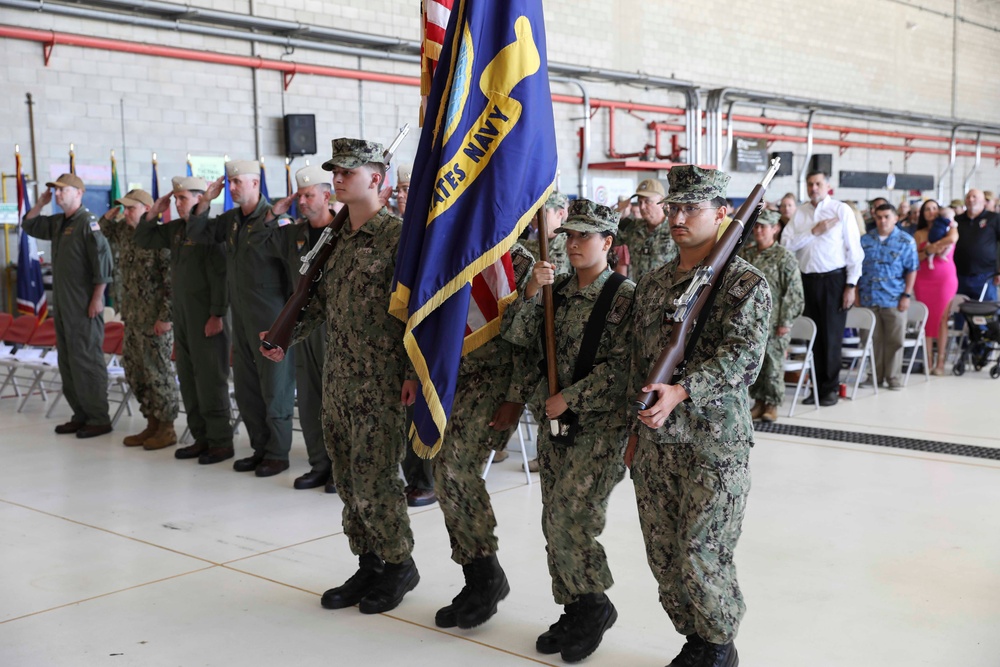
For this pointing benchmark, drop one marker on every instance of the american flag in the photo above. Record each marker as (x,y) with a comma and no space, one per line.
(31,298)
(434,25)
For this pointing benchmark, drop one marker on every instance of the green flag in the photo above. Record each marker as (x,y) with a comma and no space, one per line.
(116,192)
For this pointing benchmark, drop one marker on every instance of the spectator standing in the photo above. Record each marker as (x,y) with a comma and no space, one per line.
(937,280)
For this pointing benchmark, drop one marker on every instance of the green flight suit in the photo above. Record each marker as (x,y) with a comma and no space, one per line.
(81,258)
(258,289)
(577,479)
(145,299)
(692,475)
(198,277)
(289,243)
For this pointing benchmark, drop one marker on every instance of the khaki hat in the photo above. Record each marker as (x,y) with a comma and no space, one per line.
(690,184)
(649,188)
(403,174)
(588,216)
(242,168)
(67,180)
(956,203)
(308,176)
(351,153)
(989,194)
(137,196)
(182,183)
(768,217)
(557,200)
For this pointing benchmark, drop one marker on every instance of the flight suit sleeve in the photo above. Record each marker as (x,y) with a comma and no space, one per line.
(202,229)
(41,226)
(99,256)
(604,388)
(736,361)
(151,235)
(215,268)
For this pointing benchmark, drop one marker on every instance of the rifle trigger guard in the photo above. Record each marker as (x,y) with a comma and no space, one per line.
(702,277)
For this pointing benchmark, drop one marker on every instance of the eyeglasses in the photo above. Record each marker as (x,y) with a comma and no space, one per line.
(689,210)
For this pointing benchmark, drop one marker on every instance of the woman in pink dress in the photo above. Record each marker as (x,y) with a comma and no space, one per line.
(937,280)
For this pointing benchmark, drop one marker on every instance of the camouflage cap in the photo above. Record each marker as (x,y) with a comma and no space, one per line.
(351,153)
(768,217)
(650,187)
(137,196)
(182,183)
(67,180)
(690,184)
(242,168)
(556,200)
(588,216)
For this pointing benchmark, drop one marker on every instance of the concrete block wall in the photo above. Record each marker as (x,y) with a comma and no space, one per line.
(878,53)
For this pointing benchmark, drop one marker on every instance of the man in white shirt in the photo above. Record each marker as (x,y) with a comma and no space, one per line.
(825,239)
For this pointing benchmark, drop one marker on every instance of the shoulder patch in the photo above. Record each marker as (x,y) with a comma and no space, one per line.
(95,226)
(620,308)
(522,264)
(744,285)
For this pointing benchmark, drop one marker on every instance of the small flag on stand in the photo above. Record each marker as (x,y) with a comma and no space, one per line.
(227,202)
(263,180)
(72,160)
(155,191)
(31,298)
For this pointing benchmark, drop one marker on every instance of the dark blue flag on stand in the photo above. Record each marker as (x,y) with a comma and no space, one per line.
(485,164)
(227,196)
(263,182)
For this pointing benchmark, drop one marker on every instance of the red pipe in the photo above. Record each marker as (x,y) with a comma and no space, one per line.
(854,144)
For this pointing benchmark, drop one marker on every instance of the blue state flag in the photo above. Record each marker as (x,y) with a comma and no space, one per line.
(31,298)
(263,182)
(227,199)
(485,164)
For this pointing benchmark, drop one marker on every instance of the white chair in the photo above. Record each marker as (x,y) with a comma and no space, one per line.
(800,358)
(861,356)
(47,363)
(916,338)
(527,421)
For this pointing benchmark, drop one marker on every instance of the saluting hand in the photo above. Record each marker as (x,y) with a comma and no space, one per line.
(159,206)
(282,206)
(385,194)
(111,213)
(276,355)
(213,190)
(44,198)
(543,273)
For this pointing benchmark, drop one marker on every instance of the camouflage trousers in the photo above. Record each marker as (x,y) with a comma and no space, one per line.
(146,359)
(363,425)
(691,521)
(770,384)
(461,492)
(577,481)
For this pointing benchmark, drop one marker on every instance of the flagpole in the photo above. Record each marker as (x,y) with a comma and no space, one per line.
(34,153)
(549,306)
(72,160)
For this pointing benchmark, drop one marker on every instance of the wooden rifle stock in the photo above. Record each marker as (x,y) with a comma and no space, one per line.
(548,305)
(279,335)
(707,279)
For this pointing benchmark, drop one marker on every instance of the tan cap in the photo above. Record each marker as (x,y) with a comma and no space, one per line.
(649,188)
(182,183)
(67,181)
(308,176)
(137,196)
(242,168)
(957,203)
(988,194)
(403,174)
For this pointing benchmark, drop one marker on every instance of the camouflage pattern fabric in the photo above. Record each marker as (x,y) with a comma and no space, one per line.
(146,290)
(363,372)
(690,184)
(692,475)
(781,270)
(590,217)
(648,250)
(557,252)
(487,377)
(577,480)
(352,153)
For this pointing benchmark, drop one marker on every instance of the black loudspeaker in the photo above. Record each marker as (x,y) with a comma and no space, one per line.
(300,134)
(785,168)
(822,162)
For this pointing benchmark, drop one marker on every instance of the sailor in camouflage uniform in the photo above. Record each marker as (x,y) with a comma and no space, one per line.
(781,269)
(555,216)
(577,477)
(367,380)
(81,271)
(290,243)
(648,238)
(201,330)
(145,310)
(258,288)
(489,399)
(691,461)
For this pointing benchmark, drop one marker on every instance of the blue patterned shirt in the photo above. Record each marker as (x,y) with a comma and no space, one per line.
(883,273)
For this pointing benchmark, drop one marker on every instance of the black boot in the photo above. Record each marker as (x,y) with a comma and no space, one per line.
(551,640)
(719,655)
(447,617)
(595,616)
(489,586)
(396,580)
(370,568)
(691,653)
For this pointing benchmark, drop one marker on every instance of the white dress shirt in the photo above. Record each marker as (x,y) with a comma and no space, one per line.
(836,248)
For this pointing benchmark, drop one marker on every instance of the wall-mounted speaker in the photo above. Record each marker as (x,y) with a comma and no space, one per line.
(300,134)
(785,168)
(822,162)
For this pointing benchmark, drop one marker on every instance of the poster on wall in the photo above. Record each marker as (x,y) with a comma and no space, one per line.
(751,155)
(607,191)
(210,168)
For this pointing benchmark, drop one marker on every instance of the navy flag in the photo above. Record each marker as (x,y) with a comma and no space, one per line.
(485,164)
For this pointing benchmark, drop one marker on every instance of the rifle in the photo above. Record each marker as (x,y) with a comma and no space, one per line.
(279,335)
(706,280)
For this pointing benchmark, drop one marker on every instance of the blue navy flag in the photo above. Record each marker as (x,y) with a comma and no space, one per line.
(485,165)
(227,198)
(31,298)
(263,182)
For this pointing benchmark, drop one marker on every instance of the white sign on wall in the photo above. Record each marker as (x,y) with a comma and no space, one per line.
(606,191)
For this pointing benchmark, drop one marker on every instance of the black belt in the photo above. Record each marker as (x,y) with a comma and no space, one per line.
(842,269)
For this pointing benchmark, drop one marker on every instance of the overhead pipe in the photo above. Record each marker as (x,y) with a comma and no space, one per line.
(729,137)
(953,151)
(843,143)
(975,165)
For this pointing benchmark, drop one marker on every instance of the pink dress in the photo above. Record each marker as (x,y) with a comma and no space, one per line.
(936,286)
